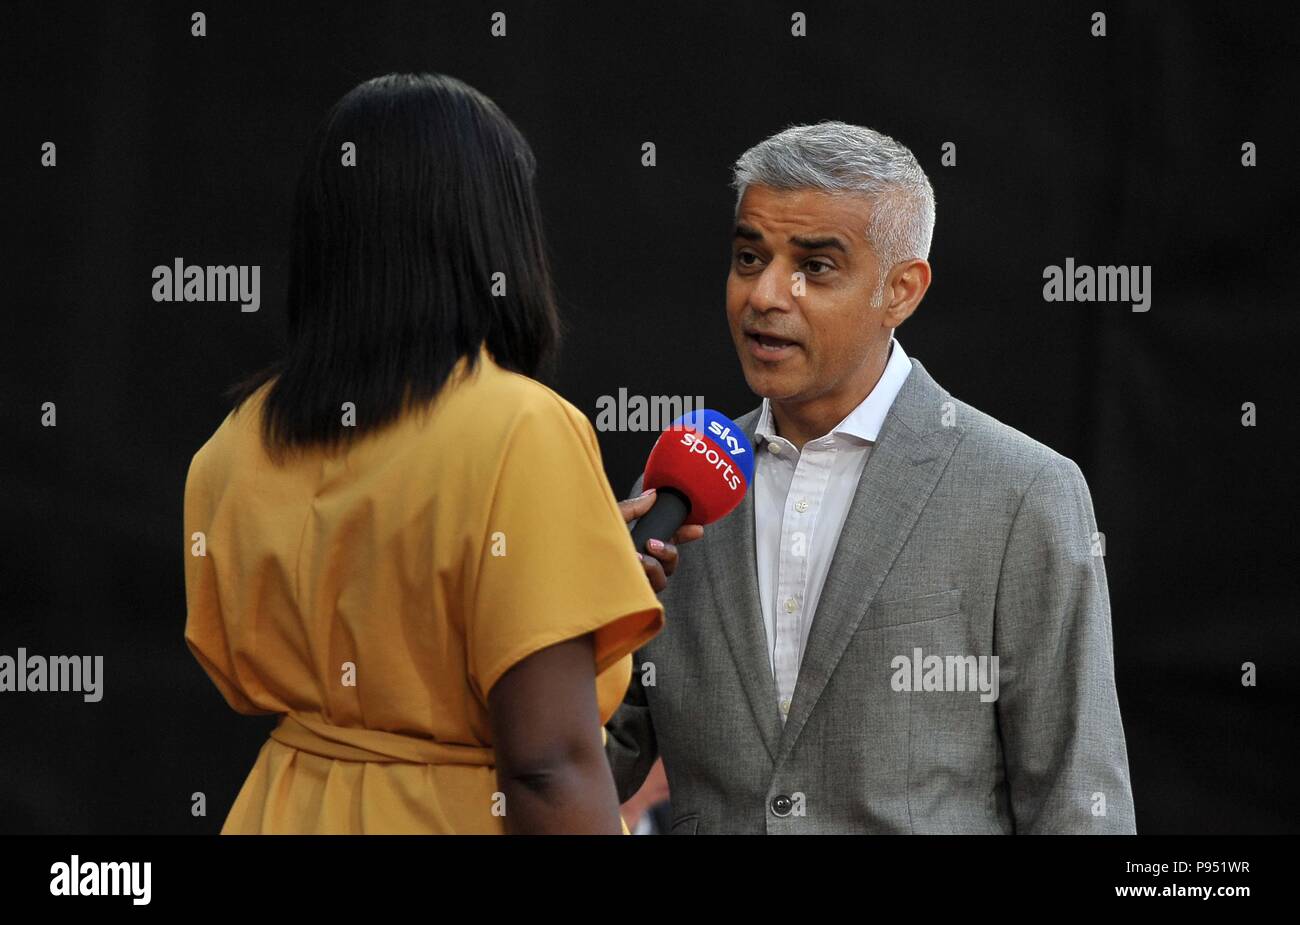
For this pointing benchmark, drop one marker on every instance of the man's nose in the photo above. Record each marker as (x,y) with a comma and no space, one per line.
(774,288)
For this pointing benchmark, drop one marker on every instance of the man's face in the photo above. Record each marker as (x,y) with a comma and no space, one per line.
(800,346)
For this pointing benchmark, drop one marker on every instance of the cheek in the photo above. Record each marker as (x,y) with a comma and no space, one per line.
(836,336)
(733,287)
(735,298)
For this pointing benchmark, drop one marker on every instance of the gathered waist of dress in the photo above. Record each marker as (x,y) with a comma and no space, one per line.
(310,733)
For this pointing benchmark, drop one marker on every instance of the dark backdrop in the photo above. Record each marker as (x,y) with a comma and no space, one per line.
(1124,149)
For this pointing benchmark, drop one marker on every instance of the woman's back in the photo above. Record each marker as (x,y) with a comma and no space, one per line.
(374,594)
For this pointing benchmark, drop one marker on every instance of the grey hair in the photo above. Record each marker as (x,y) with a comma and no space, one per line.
(837,157)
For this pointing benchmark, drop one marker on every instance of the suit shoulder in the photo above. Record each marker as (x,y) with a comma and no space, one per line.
(1004,452)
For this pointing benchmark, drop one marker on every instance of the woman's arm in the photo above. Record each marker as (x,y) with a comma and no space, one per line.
(550,759)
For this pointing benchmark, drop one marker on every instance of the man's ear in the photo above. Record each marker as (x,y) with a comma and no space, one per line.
(906,288)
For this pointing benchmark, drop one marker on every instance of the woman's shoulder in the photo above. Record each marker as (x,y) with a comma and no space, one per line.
(238,433)
(494,399)
(479,412)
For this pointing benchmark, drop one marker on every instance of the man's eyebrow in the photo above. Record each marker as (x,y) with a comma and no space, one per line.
(749,234)
(817,244)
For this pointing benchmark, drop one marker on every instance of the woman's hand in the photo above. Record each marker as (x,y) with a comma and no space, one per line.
(662,561)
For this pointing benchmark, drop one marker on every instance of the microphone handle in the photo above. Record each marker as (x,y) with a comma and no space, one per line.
(662,520)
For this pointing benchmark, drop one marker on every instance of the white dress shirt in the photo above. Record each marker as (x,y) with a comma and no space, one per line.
(801,499)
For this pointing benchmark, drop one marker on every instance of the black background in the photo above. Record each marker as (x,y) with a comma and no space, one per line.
(1117,150)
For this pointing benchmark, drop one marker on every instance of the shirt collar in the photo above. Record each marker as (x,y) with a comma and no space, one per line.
(864,421)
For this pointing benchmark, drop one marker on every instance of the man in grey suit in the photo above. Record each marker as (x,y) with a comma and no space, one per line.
(904,627)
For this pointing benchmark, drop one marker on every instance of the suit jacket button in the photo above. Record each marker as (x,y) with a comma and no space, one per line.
(781,805)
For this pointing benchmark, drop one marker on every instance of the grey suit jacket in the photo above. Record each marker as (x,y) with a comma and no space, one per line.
(964,538)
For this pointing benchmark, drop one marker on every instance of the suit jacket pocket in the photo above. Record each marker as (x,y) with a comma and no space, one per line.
(686,825)
(914,609)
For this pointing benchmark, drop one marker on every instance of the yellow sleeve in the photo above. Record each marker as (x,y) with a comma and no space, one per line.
(205,629)
(557,562)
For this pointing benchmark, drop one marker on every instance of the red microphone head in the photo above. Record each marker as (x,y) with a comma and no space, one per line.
(707,457)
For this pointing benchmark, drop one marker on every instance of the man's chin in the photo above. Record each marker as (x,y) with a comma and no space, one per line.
(772,386)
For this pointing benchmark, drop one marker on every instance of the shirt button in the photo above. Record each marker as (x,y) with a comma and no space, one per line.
(785,706)
(781,805)
(773,448)
(791,605)
(801,505)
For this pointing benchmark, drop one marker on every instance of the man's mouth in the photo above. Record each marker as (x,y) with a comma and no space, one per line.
(769,346)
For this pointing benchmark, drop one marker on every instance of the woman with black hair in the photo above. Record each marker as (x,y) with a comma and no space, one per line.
(409,550)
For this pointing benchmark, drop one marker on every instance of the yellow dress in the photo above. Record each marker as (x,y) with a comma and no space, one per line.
(373,596)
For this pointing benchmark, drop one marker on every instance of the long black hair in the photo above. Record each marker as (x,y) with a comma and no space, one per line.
(393,272)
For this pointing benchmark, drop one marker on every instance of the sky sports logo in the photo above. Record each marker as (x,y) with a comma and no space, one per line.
(723,433)
(715,457)
(705,461)
(727,446)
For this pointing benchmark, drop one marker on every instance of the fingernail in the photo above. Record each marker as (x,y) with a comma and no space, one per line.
(656,545)
(646,493)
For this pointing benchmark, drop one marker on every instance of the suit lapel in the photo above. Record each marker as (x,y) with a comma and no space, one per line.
(901,473)
(733,572)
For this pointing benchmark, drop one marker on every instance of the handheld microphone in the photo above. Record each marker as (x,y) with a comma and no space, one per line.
(700,467)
